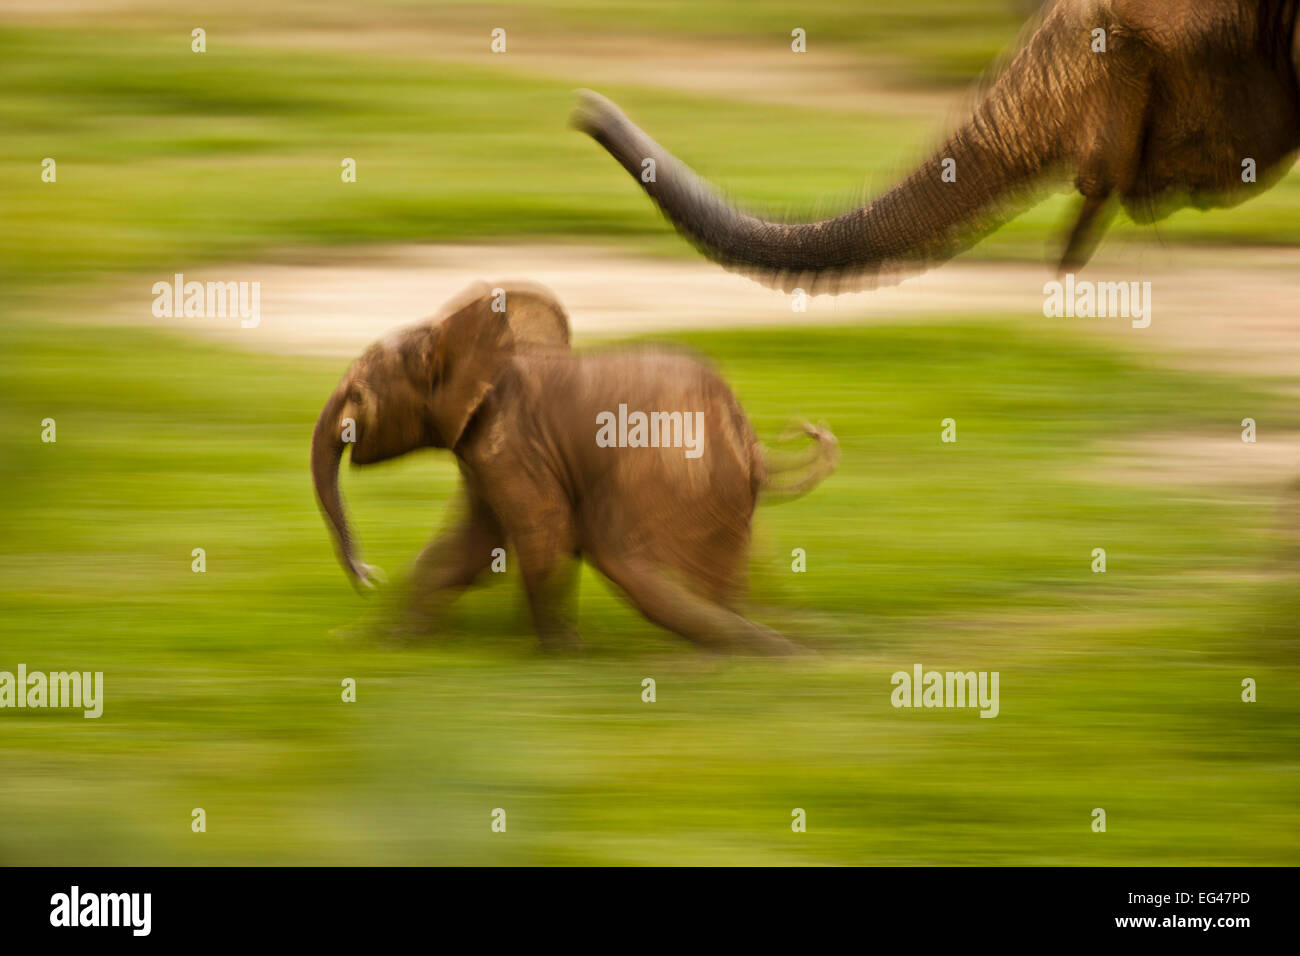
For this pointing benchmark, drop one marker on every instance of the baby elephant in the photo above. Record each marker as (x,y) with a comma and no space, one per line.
(641,461)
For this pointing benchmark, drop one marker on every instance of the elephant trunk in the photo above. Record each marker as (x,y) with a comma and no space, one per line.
(1021,128)
(326,455)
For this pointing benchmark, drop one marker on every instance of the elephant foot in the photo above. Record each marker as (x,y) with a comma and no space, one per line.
(414,627)
(563,640)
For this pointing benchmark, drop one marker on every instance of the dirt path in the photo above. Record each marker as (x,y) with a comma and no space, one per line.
(1218,309)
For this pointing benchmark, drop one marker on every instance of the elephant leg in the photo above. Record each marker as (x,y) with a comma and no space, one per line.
(1108,165)
(451,563)
(670,604)
(552,601)
(546,549)
(1090,223)
(726,583)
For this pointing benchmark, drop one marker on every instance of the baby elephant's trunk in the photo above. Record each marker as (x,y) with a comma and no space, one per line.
(819,461)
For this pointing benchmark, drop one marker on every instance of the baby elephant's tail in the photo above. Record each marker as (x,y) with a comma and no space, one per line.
(809,468)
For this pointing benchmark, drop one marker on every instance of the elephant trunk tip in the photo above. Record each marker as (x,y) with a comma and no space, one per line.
(595,114)
(327,446)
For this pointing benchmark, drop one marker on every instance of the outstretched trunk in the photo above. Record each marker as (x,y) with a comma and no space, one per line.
(326,454)
(1028,123)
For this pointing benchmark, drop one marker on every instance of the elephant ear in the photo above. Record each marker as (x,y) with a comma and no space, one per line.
(537,320)
(482,328)
(472,345)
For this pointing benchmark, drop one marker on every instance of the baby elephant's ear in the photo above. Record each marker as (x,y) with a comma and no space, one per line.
(536,318)
(472,344)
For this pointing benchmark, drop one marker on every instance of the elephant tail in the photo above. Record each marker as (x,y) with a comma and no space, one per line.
(807,469)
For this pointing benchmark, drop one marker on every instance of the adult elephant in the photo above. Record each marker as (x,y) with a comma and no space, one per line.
(1155,104)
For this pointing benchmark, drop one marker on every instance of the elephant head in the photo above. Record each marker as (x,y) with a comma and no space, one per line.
(1157,103)
(421,386)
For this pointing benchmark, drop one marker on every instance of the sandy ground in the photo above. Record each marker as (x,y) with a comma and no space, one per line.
(1189,462)
(1216,309)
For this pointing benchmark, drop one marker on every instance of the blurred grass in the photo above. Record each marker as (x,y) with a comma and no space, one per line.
(935,42)
(1118,691)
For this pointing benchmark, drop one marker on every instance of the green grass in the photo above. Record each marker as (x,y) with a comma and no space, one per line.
(223,689)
